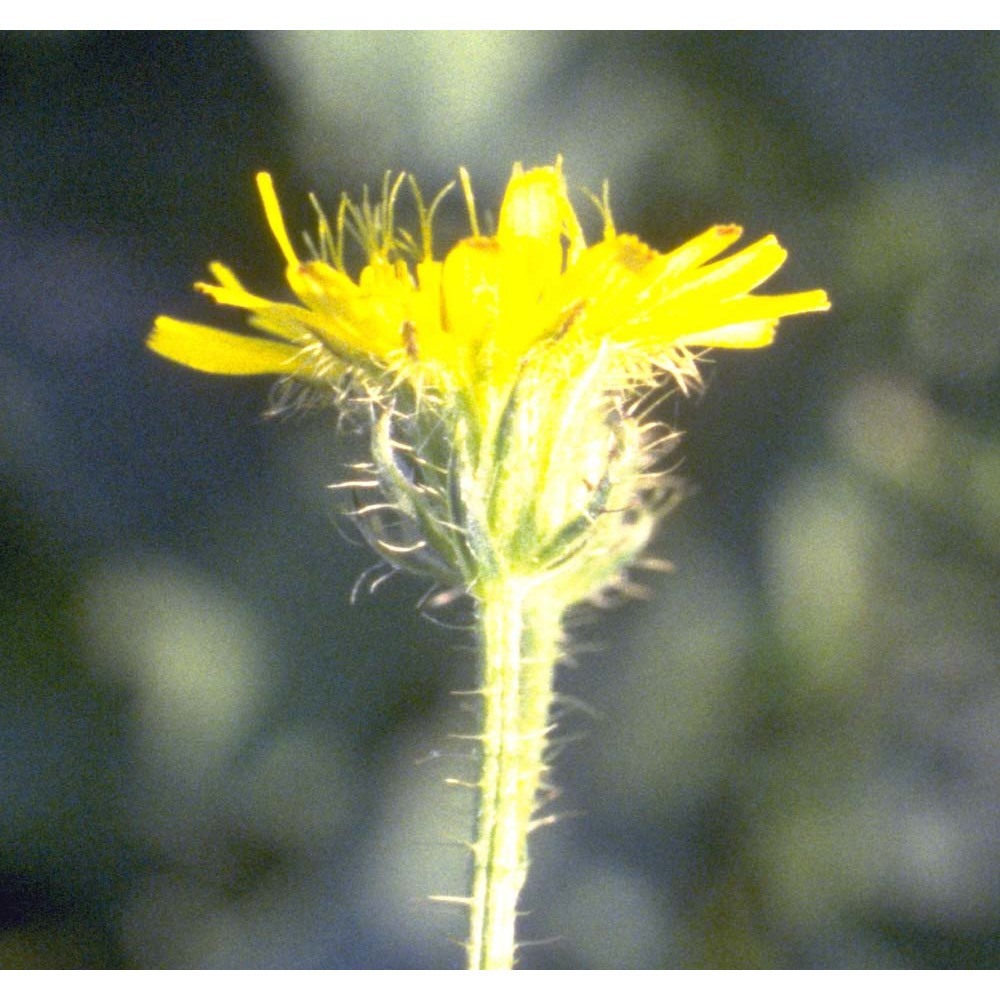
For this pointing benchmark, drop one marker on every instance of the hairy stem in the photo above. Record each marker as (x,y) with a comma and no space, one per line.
(519,637)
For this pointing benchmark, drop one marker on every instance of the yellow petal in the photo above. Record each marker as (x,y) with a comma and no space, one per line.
(218,352)
(274,218)
(322,288)
(229,291)
(534,205)
(535,215)
(738,274)
(738,336)
(470,287)
(696,252)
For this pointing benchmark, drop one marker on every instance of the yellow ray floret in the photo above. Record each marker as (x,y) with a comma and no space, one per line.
(468,322)
(218,352)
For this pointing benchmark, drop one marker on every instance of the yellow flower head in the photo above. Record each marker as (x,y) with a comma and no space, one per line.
(467,323)
(506,372)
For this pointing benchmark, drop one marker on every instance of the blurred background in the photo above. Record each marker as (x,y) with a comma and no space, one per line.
(788,755)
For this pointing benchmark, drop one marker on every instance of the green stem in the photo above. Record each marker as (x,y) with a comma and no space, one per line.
(519,636)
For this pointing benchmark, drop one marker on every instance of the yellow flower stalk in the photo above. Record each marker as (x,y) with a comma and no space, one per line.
(512,455)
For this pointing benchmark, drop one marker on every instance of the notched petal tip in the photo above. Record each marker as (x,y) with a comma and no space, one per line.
(821,301)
